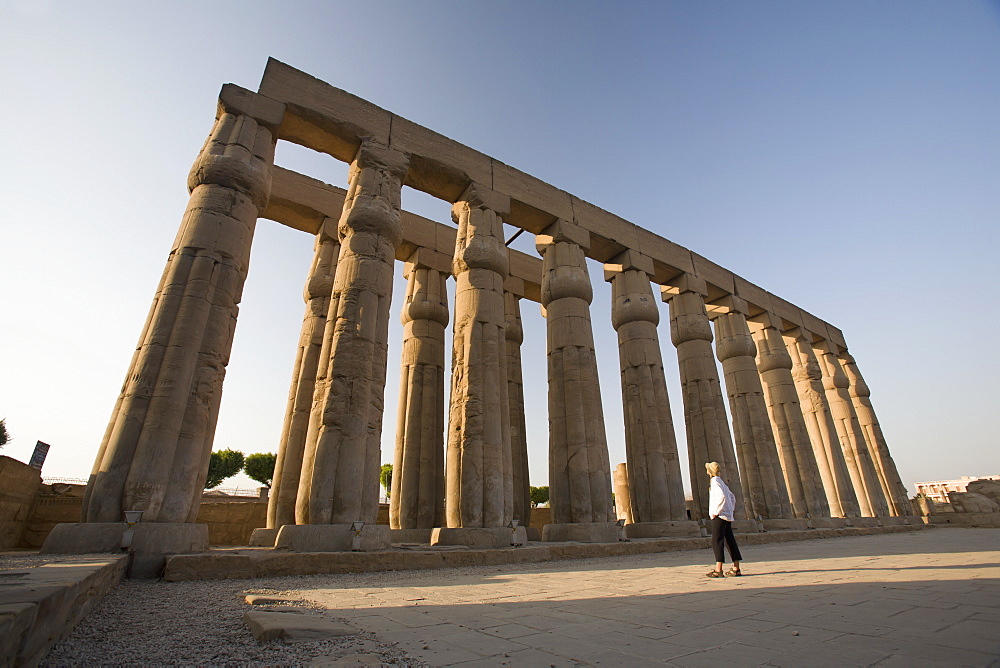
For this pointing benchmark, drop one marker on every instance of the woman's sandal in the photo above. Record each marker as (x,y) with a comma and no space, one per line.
(733,573)
(714,574)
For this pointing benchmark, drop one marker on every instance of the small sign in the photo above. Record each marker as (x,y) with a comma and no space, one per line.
(38,456)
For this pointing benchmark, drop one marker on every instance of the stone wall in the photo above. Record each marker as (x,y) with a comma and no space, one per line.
(18,485)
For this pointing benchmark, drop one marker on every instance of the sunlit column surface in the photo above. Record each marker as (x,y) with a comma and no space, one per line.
(339,482)
(708,437)
(654,483)
(308,362)
(760,468)
(155,453)
(892,486)
(417,496)
(852,440)
(579,468)
(514,334)
(479,476)
(798,461)
(826,445)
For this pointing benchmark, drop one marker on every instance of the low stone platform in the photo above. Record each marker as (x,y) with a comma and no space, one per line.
(40,605)
(263,562)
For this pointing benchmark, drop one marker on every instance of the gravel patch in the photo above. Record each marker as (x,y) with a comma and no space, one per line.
(144,622)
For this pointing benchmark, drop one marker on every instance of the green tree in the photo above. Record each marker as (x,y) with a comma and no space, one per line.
(539,495)
(4,436)
(385,477)
(224,464)
(260,467)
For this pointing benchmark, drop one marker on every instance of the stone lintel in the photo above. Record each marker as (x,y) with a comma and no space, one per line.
(563,231)
(479,196)
(303,203)
(427,258)
(514,285)
(758,297)
(836,336)
(768,319)
(236,100)
(720,280)
(727,304)
(333,121)
(814,324)
(681,284)
(628,261)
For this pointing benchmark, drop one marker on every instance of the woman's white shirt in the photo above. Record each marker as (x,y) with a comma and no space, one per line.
(721,501)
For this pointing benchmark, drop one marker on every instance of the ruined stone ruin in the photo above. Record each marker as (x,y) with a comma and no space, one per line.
(805,447)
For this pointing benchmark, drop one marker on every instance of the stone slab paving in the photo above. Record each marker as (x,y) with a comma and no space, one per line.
(906,599)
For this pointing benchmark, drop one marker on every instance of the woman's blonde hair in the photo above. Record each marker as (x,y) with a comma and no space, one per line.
(712,468)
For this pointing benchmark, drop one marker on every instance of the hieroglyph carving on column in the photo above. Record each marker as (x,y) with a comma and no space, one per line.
(155,453)
(892,484)
(852,439)
(708,437)
(479,479)
(760,468)
(830,457)
(514,334)
(339,482)
(579,467)
(654,470)
(417,498)
(798,461)
(308,363)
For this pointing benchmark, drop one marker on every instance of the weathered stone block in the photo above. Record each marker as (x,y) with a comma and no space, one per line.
(331,538)
(582,532)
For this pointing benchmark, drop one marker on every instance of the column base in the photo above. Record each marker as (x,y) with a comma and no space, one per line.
(679,528)
(893,521)
(332,538)
(827,522)
(862,521)
(582,532)
(410,535)
(742,526)
(263,537)
(479,536)
(779,524)
(151,542)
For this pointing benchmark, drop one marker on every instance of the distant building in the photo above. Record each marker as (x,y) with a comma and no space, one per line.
(938,489)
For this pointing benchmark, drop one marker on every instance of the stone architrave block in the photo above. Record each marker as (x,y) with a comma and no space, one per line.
(532,191)
(712,273)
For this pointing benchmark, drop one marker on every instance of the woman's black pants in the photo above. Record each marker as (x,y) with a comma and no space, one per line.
(723,530)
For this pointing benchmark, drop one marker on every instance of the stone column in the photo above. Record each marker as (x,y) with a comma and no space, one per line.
(760,469)
(339,482)
(798,461)
(654,482)
(708,437)
(479,480)
(830,458)
(579,468)
(417,497)
(155,453)
(893,487)
(514,335)
(852,440)
(288,467)
(623,498)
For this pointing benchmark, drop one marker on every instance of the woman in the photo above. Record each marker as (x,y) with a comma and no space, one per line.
(721,505)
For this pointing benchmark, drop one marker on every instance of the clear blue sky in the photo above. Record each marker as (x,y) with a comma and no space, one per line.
(844,156)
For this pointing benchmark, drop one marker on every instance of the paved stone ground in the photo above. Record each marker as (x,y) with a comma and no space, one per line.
(910,599)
